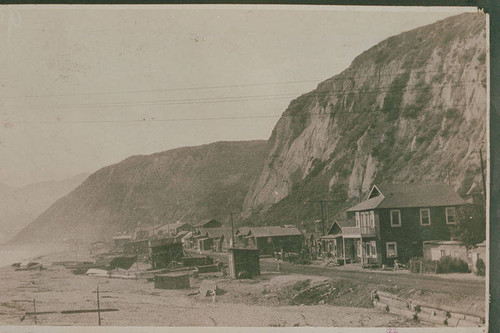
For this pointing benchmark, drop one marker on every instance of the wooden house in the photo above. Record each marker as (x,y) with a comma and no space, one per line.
(164,251)
(137,247)
(271,239)
(171,229)
(216,239)
(210,223)
(119,241)
(394,221)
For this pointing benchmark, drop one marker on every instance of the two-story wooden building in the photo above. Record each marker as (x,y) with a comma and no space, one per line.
(394,221)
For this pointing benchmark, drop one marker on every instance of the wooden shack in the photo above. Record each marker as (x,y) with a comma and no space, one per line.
(136,247)
(163,255)
(177,280)
(243,260)
(193,261)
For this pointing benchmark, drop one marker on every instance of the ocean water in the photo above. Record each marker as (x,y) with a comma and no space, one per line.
(10,254)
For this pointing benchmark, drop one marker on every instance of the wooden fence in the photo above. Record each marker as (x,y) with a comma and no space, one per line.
(420,265)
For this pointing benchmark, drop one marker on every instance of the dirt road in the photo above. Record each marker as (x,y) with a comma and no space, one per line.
(431,283)
(383,278)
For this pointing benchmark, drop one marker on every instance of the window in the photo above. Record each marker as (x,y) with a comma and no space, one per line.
(450,215)
(357,219)
(372,219)
(395,218)
(391,249)
(373,245)
(425,216)
(443,253)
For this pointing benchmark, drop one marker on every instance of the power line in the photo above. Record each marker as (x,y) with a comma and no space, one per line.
(210,100)
(144,120)
(168,89)
(338,77)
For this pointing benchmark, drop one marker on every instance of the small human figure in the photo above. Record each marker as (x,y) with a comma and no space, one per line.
(213,293)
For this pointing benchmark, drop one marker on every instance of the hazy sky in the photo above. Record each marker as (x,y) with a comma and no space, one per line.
(84,87)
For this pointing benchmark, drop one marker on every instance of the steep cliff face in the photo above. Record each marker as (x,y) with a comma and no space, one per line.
(187,184)
(410,109)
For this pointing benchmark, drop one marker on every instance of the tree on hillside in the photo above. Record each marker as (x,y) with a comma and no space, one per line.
(471,225)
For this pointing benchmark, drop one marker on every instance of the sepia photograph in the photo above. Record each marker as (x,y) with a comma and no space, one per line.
(244,166)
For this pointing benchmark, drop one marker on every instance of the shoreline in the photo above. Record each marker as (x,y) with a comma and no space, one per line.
(56,289)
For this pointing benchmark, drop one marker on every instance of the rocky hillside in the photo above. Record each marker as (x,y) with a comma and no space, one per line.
(410,109)
(185,184)
(19,206)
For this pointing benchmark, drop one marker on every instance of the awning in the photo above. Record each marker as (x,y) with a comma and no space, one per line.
(327,237)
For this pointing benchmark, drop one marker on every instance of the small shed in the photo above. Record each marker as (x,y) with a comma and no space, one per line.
(243,260)
(178,280)
(435,250)
(478,252)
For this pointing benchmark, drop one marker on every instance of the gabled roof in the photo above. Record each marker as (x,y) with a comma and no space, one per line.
(181,234)
(345,225)
(243,231)
(171,226)
(122,237)
(410,195)
(188,235)
(312,235)
(217,232)
(274,231)
(203,223)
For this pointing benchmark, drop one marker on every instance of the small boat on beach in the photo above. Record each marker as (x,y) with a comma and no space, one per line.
(27,266)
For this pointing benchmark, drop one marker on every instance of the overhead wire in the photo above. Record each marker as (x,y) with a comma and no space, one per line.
(242,98)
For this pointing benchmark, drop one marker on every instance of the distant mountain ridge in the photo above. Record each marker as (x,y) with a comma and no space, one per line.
(19,206)
(186,184)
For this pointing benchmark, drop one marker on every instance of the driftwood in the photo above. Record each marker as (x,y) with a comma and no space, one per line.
(87,311)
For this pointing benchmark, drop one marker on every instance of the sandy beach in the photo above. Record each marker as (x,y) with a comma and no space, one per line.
(244,303)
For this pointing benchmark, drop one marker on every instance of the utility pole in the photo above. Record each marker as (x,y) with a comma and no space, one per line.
(34,309)
(232,228)
(297,214)
(483,177)
(98,307)
(321,203)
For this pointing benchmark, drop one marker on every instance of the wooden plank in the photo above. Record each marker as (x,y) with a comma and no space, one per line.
(87,311)
(39,313)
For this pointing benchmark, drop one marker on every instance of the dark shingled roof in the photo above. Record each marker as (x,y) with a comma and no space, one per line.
(269,231)
(205,222)
(411,195)
(218,232)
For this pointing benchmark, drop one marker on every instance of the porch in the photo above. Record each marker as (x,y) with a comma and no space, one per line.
(349,249)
